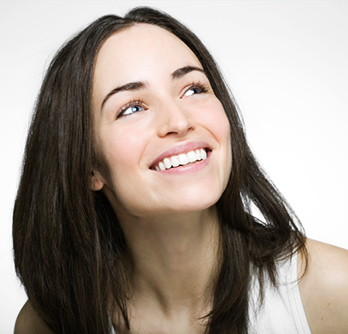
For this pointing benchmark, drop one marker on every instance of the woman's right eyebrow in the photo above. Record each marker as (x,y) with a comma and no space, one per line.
(131,86)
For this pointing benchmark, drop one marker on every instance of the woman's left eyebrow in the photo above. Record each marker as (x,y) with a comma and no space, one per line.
(180,72)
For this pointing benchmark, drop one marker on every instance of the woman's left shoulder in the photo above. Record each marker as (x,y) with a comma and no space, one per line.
(324,288)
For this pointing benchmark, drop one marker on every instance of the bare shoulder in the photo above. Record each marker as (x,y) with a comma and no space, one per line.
(324,288)
(28,322)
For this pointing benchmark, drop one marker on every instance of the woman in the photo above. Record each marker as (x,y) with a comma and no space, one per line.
(135,204)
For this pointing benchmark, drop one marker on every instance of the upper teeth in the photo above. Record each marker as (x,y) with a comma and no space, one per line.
(182,159)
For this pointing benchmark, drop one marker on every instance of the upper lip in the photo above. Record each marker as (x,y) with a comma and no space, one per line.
(182,148)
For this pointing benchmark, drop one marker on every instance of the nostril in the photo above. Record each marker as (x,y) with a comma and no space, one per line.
(177,128)
(174,120)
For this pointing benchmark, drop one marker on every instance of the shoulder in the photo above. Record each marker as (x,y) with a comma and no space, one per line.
(28,322)
(324,288)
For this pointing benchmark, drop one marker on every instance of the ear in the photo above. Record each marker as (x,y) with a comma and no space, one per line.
(97,181)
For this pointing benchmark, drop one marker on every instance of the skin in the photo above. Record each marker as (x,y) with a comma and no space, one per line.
(172,114)
(176,221)
(172,231)
(324,288)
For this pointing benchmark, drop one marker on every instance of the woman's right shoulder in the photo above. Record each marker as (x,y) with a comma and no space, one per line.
(28,322)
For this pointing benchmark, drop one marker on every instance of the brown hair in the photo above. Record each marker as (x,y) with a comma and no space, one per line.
(70,252)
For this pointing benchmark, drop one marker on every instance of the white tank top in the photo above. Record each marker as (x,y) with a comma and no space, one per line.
(282,310)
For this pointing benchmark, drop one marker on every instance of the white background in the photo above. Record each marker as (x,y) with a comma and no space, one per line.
(287,65)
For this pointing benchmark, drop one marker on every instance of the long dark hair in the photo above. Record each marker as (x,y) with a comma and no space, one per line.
(69,250)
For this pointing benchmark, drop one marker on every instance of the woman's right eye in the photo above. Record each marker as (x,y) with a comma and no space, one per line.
(131,108)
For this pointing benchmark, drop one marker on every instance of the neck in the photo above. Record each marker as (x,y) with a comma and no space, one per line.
(174,260)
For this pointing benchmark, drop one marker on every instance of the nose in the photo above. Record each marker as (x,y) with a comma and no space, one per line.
(174,120)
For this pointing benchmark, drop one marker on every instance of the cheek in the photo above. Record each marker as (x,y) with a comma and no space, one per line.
(216,121)
(119,152)
(123,148)
(219,126)
(118,168)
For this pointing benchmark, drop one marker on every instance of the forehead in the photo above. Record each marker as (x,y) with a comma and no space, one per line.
(140,52)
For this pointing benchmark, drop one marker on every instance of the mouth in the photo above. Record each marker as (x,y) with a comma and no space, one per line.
(181,159)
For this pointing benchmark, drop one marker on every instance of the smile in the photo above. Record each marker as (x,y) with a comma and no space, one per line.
(182,159)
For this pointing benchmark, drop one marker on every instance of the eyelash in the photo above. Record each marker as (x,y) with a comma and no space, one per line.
(202,86)
(130,104)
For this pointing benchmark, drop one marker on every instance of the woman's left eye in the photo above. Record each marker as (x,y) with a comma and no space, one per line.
(195,89)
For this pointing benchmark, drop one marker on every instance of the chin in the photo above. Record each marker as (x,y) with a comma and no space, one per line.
(200,202)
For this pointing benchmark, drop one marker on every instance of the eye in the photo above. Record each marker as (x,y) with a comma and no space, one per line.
(194,89)
(131,108)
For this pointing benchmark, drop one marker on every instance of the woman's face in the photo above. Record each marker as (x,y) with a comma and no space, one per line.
(155,111)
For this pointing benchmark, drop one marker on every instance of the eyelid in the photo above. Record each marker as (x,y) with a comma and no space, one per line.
(130,104)
(197,84)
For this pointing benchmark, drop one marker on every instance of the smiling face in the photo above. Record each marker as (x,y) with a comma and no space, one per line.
(162,136)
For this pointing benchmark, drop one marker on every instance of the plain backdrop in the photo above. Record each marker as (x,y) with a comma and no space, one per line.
(286,63)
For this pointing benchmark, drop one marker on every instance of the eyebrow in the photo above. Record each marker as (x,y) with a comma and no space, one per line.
(132,86)
(177,74)
(138,85)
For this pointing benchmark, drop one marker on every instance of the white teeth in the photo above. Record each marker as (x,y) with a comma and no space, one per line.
(175,161)
(198,154)
(192,156)
(182,159)
(204,154)
(161,166)
(167,163)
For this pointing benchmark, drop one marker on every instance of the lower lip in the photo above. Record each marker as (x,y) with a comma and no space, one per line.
(186,169)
